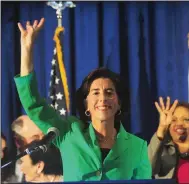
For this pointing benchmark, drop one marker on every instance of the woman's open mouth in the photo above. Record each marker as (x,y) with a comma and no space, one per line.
(103,107)
(180,130)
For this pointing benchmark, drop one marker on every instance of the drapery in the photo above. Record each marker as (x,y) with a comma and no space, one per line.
(146,42)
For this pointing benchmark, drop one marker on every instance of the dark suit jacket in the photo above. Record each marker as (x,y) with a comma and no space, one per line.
(163,157)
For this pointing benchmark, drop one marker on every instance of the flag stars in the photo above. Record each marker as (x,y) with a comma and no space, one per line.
(52,97)
(56,94)
(59,96)
(52,72)
(56,106)
(62,111)
(57,80)
(53,62)
(54,51)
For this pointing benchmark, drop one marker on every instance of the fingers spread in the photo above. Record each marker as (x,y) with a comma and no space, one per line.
(35,23)
(28,23)
(158,107)
(22,30)
(167,104)
(40,25)
(34,26)
(161,103)
(172,109)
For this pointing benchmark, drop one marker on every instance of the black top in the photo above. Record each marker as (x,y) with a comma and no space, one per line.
(104,152)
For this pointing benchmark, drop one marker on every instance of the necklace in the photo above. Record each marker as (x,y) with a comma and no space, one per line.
(101,138)
(105,139)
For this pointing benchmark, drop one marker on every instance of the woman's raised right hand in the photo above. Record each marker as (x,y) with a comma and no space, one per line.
(29,34)
(165,115)
(27,38)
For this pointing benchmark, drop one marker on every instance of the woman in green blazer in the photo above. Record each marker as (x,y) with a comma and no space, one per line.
(96,146)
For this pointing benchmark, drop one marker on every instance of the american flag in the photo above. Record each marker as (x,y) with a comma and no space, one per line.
(58,81)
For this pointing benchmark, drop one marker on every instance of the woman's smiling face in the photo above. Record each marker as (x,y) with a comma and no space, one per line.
(102,100)
(180,123)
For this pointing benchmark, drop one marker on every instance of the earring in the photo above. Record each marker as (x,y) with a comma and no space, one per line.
(87,113)
(119,112)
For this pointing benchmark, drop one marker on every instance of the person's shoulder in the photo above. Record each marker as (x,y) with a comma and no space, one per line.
(11,179)
(136,139)
(129,136)
(75,121)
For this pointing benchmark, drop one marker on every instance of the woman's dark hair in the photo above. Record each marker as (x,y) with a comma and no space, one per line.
(183,104)
(83,92)
(7,171)
(51,158)
(3,136)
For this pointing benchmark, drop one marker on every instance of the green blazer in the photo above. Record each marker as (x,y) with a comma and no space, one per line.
(80,151)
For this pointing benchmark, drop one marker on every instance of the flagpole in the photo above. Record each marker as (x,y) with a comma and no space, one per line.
(59,17)
(59,91)
(59,7)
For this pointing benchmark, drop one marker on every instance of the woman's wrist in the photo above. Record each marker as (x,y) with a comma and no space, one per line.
(161,132)
(26,66)
(25,70)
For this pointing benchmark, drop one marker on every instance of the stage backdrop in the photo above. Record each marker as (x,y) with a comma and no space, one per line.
(146,42)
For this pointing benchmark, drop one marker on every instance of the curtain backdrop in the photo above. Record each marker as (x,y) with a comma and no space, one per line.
(146,42)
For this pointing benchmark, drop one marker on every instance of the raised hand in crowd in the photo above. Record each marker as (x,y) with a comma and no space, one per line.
(27,39)
(165,115)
